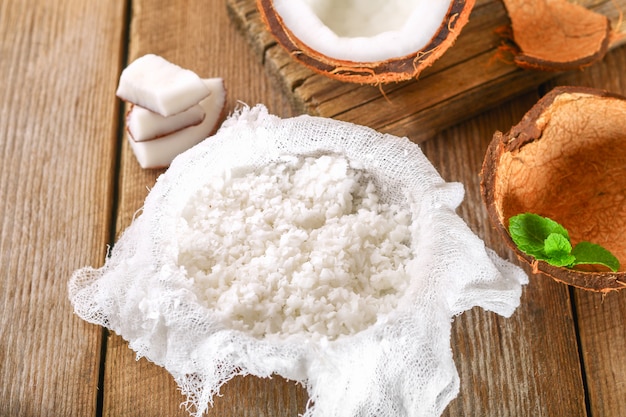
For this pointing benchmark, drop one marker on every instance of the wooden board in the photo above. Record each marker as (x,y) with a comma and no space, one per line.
(601,320)
(57,152)
(69,184)
(474,75)
(178,31)
(503,364)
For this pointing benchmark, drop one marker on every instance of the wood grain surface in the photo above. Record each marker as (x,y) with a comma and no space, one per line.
(69,185)
(474,75)
(59,62)
(601,321)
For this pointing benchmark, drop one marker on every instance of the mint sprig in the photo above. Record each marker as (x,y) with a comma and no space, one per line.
(547,240)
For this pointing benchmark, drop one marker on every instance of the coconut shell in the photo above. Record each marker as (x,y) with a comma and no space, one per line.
(379,72)
(556,35)
(566,160)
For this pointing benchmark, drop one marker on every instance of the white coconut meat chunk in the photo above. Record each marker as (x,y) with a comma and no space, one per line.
(158,85)
(363,30)
(160,152)
(143,124)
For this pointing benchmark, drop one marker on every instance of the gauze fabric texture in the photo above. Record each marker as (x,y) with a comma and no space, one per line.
(400,366)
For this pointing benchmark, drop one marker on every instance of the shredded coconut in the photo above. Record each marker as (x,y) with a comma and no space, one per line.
(302,245)
(399,366)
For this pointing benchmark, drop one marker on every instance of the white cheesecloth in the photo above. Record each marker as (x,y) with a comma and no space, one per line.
(402,365)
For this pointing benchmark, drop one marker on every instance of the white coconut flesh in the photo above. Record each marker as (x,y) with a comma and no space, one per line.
(363,30)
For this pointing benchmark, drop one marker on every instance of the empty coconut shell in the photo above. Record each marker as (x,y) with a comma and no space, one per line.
(405,65)
(556,35)
(566,160)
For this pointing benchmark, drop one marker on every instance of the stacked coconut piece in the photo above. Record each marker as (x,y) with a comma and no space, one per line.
(171,109)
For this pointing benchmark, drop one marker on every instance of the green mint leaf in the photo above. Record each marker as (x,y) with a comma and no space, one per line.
(547,240)
(590,253)
(557,245)
(558,250)
(530,231)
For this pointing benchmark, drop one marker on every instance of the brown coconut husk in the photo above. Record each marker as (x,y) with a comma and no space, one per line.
(556,35)
(379,72)
(566,160)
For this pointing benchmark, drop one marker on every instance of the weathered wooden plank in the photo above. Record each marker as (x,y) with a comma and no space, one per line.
(523,384)
(603,337)
(602,319)
(197,35)
(504,366)
(137,387)
(408,102)
(141,388)
(58,141)
(314,94)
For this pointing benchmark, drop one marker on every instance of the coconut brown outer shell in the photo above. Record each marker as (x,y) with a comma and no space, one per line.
(379,72)
(557,35)
(565,160)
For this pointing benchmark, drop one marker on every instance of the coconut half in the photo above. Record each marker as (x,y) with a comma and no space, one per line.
(566,160)
(557,35)
(366,41)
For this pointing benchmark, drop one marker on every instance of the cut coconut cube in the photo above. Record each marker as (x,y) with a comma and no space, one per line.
(160,152)
(143,124)
(156,84)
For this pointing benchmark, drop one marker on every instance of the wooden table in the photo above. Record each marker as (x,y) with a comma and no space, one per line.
(69,185)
